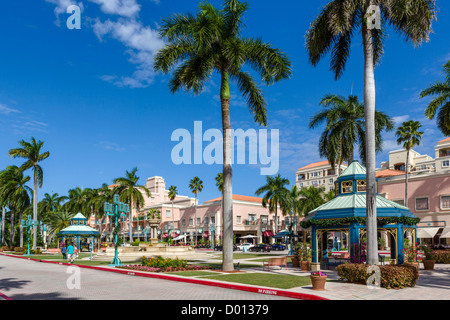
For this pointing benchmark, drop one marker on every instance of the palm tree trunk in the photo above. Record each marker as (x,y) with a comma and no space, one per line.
(131,219)
(12,230)
(195,221)
(21,229)
(227,263)
(3,226)
(369,105)
(406,178)
(35,209)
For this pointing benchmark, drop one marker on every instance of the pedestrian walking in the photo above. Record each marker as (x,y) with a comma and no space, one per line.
(71,252)
(64,252)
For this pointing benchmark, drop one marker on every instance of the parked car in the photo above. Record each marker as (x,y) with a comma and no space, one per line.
(261,248)
(220,248)
(245,246)
(278,247)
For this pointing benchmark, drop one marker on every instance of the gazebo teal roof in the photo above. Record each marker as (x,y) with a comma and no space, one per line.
(347,211)
(79,227)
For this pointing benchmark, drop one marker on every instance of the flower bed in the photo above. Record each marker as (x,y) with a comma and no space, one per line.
(167,269)
(399,276)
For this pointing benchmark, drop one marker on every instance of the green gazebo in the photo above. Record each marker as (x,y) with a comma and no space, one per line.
(346,213)
(79,228)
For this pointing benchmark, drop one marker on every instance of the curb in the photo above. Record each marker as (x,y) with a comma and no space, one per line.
(253,289)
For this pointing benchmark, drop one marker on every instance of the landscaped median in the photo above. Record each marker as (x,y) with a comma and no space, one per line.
(263,283)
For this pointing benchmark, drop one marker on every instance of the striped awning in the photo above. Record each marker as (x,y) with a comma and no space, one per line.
(446,233)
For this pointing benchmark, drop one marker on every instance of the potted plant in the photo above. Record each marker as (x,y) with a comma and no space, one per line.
(295,259)
(429,261)
(381,243)
(304,254)
(318,280)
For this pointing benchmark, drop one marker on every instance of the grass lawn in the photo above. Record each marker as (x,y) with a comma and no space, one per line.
(280,281)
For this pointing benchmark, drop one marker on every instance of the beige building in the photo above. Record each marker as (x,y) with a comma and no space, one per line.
(318,174)
(420,164)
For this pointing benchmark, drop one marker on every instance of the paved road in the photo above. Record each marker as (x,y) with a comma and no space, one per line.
(22,279)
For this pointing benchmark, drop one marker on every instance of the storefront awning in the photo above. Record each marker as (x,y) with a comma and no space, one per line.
(268,233)
(424,233)
(446,233)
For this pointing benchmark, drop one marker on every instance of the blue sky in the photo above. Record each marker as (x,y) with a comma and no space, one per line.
(92,97)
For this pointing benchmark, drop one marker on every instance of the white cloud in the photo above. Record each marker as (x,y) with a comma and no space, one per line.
(400,119)
(142,42)
(108,145)
(125,8)
(7,110)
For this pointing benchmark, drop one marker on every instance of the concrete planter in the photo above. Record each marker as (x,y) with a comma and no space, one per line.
(318,282)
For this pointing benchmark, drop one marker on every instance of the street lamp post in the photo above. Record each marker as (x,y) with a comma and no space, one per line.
(29,224)
(116,210)
(292,222)
(212,230)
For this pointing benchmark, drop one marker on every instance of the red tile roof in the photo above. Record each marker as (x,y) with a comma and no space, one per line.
(240,198)
(389,173)
(445,140)
(317,164)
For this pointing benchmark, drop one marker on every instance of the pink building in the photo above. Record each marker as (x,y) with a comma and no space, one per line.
(181,217)
(428,189)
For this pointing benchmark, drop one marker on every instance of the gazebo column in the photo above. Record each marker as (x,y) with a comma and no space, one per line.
(315,265)
(400,244)
(354,240)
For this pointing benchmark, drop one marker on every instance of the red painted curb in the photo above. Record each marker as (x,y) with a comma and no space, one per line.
(276,292)
(4,297)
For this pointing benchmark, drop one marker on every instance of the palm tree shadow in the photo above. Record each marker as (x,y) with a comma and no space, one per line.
(11,283)
(42,296)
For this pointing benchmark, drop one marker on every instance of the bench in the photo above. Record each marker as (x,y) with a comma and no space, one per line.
(336,260)
(275,261)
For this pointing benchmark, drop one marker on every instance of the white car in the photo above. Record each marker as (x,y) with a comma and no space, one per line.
(245,246)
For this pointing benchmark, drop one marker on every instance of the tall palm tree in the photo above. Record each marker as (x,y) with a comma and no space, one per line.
(130,191)
(441,102)
(345,127)
(196,186)
(173,192)
(103,194)
(409,135)
(78,200)
(51,203)
(17,193)
(311,198)
(333,30)
(59,221)
(31,151)
(275,194)
(211,41)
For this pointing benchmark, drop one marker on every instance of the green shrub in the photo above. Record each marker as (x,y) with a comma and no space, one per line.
(441,256)
(163,263)
(399,276)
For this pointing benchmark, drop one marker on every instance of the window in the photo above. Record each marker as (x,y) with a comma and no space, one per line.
(421,203)
(183,222)
(191,221)
(213,220)
(361,185)
(264,219)
(199,221)
(331,181)
(445,202)
(238,219)
(445,163)
(347,187)
(167,213)
(206,220)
